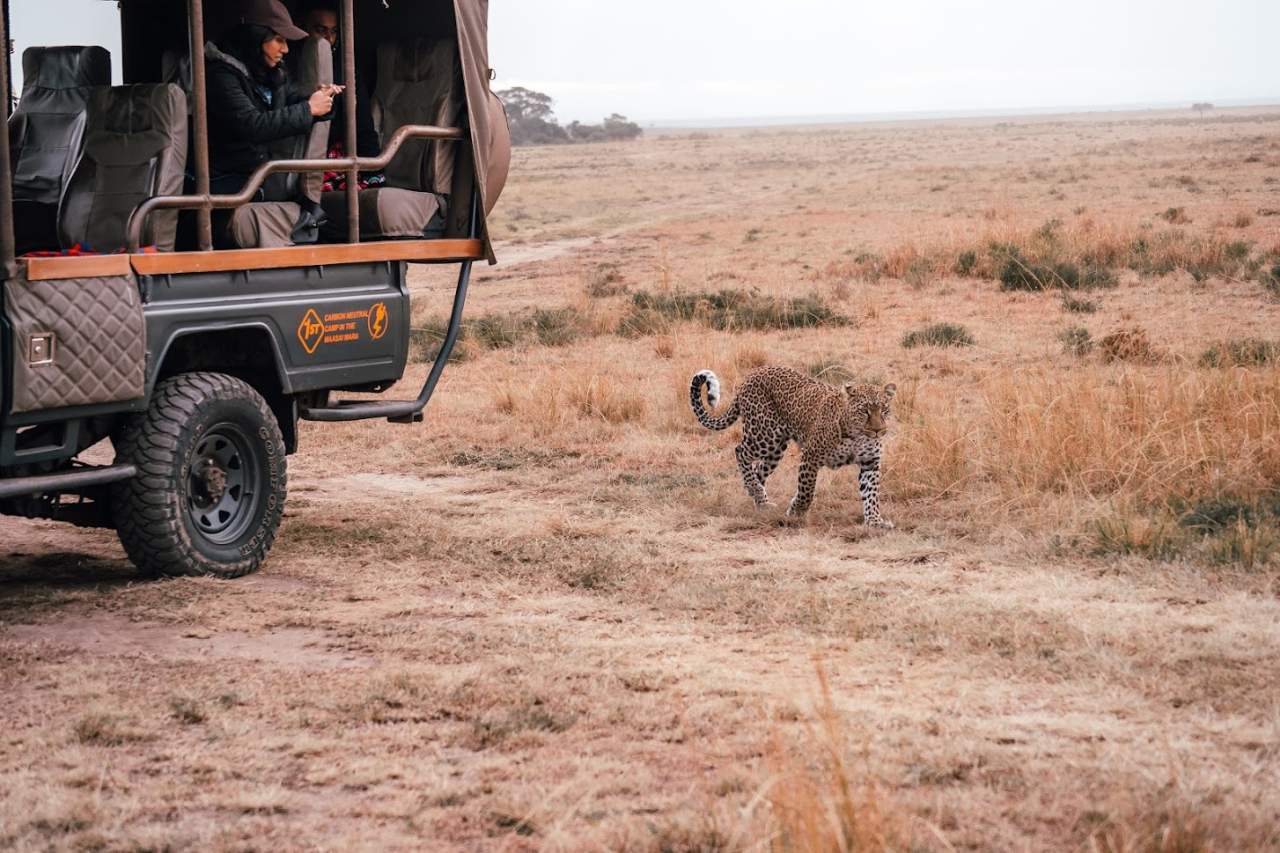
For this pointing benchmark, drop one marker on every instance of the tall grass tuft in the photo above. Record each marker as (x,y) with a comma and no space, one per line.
(830,808)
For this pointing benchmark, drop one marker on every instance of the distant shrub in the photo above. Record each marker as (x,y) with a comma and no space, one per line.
(1076,341)
(1237,250)
(727,309)
(1020,273)
(1078,306)
(556,326)
(939,335)
(1242,352)
(1175,216)
(965,263)
(495,331)
(1127,345)
(606,281)
(1270,280)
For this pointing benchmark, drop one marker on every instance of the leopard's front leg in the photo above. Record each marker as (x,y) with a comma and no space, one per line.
(869,490)
(805,488)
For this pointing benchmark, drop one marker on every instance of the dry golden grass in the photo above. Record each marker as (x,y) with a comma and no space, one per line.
(548,619)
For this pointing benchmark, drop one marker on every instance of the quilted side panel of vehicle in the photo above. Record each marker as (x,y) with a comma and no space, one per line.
(94,342)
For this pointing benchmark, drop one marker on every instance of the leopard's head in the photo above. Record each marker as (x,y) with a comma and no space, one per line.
(868,411)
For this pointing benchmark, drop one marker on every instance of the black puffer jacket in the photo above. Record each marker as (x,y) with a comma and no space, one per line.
(242,124)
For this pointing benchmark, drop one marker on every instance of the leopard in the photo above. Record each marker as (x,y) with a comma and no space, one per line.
(833,426)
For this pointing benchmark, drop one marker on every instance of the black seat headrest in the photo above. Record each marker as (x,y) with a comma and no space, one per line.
(66,67)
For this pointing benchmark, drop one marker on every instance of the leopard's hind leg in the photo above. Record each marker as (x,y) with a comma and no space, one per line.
(750,477)
(770,454)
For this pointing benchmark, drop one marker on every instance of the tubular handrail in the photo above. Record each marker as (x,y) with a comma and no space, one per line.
(210,202)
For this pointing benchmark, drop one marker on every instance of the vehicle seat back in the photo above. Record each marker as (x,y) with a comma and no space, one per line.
(135,147)
(46,128)
(310,66)
(419,82)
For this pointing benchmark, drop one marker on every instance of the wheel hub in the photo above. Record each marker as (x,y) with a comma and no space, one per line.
(209,483)
(223,484)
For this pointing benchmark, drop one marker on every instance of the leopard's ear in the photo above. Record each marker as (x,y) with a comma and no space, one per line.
(849,388)
(889,391)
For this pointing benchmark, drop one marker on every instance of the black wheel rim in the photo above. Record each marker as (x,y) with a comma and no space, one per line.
(224,481)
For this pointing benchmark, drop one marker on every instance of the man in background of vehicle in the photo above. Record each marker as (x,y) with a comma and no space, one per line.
(320,19)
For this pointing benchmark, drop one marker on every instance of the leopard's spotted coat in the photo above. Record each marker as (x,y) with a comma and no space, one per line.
(833,426)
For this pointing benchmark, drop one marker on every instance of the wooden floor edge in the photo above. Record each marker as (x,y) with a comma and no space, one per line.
(175,263)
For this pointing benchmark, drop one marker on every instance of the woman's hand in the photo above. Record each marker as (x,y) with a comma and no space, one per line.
(321,100)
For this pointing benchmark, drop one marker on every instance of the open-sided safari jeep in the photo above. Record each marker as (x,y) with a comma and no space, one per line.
(196,362)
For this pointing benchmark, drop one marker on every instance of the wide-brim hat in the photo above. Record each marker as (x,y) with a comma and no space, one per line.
(273,15)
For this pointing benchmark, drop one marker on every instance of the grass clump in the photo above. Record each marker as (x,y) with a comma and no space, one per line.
(939,335)
(1076,341)
(607,280)
(1241,352)
(1020,273)
(100,728)
(726,310)
(556,327)
(831,371)
(1224,529)
(1076,305)
(1128,345)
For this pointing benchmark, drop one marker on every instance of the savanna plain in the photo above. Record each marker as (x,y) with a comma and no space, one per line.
(549,618)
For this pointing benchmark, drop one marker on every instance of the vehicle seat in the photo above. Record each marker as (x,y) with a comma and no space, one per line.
(135,147)
(45,134)
(310,67)
(275,222)
(419,82)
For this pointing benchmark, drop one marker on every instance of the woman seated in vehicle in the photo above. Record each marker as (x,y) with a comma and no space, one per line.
(251,104)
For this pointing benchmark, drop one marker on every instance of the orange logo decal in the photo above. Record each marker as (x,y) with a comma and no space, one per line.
(311,331)
(378,320)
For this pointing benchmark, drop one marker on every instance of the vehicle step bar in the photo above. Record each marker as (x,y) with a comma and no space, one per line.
(407,411)
(402,411)
(65,481)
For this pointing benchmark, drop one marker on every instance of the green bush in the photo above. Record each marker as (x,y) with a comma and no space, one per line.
(939,335)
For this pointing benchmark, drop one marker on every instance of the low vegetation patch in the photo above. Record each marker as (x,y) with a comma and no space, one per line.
(546,326)
(1130,344)
(1076,305)
(939,335)
(1076,341)
(728,310)
(1241,352)
(1076,256)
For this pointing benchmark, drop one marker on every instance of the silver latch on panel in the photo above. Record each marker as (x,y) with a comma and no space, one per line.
(40,348)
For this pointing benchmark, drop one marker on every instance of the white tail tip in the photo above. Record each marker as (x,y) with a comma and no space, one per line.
(713,386)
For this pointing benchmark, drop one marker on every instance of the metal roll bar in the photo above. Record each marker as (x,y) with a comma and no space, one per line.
(353,165)
(6,175)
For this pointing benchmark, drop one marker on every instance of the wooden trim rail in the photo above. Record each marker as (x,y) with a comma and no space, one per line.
(233,260)
(82,266)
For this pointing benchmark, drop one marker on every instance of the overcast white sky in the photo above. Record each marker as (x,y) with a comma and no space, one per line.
(687,59)
(716,59)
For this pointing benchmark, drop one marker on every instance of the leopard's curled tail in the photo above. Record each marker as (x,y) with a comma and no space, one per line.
(709,379)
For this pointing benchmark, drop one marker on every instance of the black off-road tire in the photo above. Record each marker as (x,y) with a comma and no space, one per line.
(211,482)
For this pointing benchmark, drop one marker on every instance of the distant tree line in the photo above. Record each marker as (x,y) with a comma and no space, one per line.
(533,122)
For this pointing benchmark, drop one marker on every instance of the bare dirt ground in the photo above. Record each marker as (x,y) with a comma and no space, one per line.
(550,619)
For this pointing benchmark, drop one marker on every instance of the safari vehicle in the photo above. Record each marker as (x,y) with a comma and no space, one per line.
(197,363)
